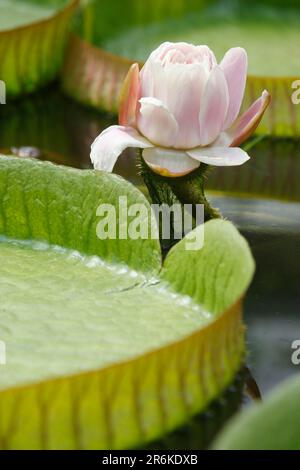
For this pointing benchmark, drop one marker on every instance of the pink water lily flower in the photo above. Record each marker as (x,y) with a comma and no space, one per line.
(182,109)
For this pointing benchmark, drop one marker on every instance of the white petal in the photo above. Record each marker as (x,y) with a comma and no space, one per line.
(179,87)
(234,66)
(214,106)
(223,140)
(219,156)
(185,86)
(107,147)
(153,80)
(157,123)
(169,162)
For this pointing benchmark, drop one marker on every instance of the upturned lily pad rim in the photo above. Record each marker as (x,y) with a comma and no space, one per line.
(69,4)
(116,376)
(126,60)
(213,324)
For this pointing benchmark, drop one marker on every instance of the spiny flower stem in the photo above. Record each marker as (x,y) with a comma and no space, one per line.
(187,189)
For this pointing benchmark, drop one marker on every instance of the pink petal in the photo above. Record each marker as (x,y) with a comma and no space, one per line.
(248,122)
(186,84)
(160,52)
(234,66)
(156,122)
(214,106)
(219,156)
(168,162)
(107,147)
(129,97)
(150,79)
(188,53)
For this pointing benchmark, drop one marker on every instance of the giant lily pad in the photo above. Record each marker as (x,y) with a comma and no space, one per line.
(272,425)
(113,38)
(100,337)
(32,41)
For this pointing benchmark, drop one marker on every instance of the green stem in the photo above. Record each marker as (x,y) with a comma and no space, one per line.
(187,189)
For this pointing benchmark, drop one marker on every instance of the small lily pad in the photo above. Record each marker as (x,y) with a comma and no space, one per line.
(272,425)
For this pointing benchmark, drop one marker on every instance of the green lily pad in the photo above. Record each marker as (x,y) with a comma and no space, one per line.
(98,335)
(32,42)
(272,425)
(112,39)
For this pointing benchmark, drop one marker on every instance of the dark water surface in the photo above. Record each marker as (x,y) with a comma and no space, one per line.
(262,198)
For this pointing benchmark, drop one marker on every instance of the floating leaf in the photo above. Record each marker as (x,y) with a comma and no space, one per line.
(113,38)
(272,425)
(32,42)
(98,338)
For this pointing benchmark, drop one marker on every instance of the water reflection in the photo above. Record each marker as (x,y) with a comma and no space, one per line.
(273,301)
(61,129)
